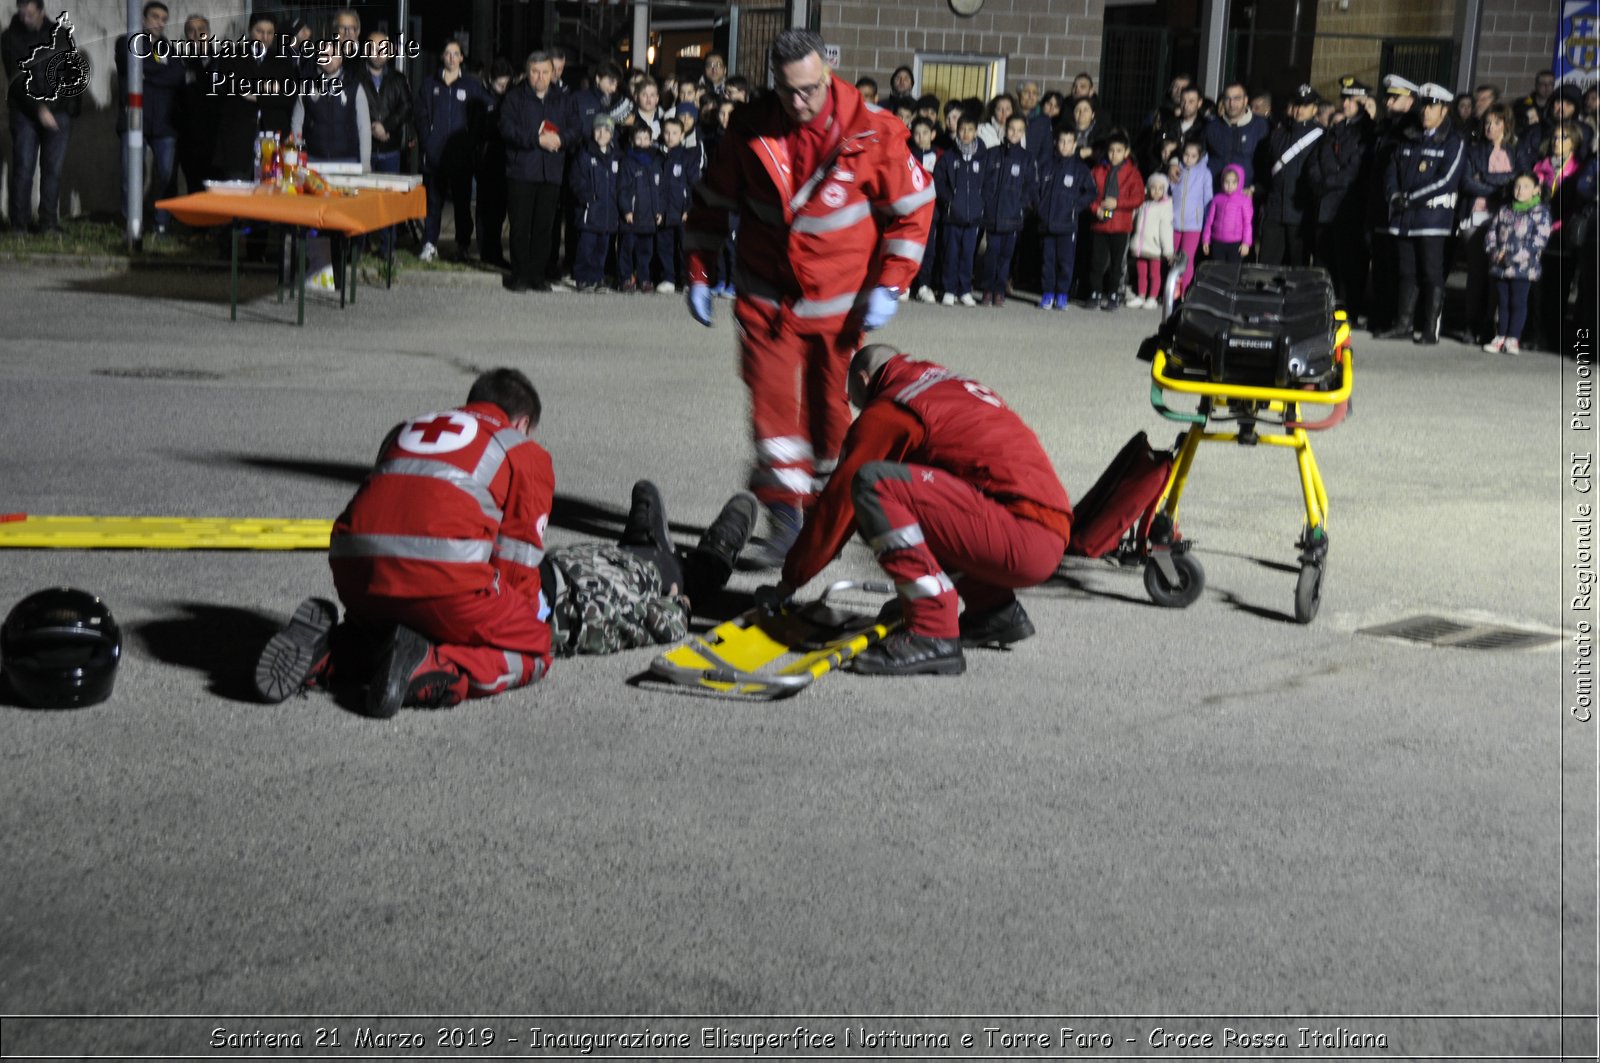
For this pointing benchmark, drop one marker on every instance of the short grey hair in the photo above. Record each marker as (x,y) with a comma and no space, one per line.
(541,56)
(794,45)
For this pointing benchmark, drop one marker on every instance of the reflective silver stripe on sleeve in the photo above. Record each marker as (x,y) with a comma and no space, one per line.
(905,249)
(412,548)
(925,587)
(783,450)
(912,203)
(842,218)
(517,551)
(796,480)
(438,470)
(898,539)
(839,304)
(917,387)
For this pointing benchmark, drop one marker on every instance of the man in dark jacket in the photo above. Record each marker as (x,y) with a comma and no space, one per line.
(39,129)
(1234,135)
(1283,237)
(197,111)
(389,104)
(534,123)
(163,86)
(1399,102)
(242,114)
(1338,171)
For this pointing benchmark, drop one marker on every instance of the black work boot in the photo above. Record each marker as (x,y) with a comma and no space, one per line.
(408,672)
(907,653)
(297,656)
(768,551)
(707,567)
(647,520)
(1400,329)
(997,627)
(1432,312)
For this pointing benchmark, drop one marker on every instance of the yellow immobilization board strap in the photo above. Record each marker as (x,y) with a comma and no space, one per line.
(26,531)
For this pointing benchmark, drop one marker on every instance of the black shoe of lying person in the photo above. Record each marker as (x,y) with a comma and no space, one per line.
(997,627)
(905,653)
(647,520)
(726,538)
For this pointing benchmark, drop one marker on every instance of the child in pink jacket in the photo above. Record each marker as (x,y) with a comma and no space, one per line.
(1228,233)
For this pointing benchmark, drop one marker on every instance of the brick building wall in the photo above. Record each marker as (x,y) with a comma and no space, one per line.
(1516,39)
(1044,40)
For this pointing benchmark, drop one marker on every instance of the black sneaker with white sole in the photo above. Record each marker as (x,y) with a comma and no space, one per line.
(647,519)
(298,654)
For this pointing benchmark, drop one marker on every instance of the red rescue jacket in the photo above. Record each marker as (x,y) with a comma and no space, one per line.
(457,500)
(813,244)
(921,413)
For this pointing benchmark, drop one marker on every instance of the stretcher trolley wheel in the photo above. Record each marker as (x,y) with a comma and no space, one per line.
(1178,588)
(1313,566)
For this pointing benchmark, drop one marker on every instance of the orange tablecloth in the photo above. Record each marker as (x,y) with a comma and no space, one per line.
(368,210)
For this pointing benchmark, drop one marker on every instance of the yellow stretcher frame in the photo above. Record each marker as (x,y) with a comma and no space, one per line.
(737,657)
(1268,407)
(27,531)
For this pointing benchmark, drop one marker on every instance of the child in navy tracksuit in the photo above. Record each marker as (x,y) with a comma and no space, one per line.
(639,200)
(924,151)
(1008,191)
(958,182)
(1066,188)
(680,172)
(593,182)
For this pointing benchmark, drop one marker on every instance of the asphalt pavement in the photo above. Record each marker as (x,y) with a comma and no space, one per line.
(1141,812)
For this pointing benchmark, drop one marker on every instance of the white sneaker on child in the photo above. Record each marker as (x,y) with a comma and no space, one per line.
(1135,302)
(1496,345)
(968,300)
(949,299)
(666,288)
(1513,346)
(925,294)
(428,253)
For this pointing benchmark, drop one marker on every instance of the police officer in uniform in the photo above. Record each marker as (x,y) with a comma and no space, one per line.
(1399,98)
(1283,235)
(1339,170)
(1420,185)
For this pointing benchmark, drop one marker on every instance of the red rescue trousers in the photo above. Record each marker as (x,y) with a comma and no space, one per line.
(799,411)
(923,522)
(493,638)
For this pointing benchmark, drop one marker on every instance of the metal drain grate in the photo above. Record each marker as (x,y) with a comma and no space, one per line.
(156,373)
(1441,631)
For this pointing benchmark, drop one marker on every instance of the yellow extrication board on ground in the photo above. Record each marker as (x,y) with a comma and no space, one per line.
(26,531)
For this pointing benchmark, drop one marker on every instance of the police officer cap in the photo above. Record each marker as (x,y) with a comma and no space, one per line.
(1350,86)
(1305,94)
(1432,92)
(1395,85)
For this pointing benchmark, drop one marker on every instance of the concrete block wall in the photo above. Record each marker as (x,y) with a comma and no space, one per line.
(1044,40)
(1516,39)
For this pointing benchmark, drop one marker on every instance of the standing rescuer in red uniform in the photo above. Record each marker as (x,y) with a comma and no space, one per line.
(833,222)
(954,494)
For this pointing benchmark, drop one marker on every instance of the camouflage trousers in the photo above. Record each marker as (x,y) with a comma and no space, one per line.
(610,600)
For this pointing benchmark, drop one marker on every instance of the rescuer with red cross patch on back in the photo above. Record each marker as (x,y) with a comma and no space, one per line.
(954,494)
(833,223)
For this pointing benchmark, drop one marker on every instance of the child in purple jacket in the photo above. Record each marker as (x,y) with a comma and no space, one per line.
(1517,237)
(1228,233)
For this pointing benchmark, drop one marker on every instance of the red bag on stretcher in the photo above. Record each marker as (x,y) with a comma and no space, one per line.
(1123,497)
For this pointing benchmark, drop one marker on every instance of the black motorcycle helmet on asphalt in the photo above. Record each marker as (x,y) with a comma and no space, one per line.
(59,649)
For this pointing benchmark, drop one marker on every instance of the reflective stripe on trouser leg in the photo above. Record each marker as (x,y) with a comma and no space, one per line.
(888,498)
(771,361)
(491,671)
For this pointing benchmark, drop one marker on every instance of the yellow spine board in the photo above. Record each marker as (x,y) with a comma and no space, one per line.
(164,533)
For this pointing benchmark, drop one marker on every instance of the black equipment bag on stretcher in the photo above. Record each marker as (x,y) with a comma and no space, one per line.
(1122,499)
(1259,326)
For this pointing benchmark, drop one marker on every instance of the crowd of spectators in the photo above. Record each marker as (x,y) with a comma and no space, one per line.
(1387,188)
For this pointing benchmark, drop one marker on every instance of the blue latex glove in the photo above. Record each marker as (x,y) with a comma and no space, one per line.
(700,303)
(773,597)
(881,305)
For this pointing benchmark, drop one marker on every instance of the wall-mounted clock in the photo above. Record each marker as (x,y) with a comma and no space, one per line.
(966,8)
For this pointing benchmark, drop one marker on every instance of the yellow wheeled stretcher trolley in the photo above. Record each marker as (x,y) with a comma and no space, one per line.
(763,654)
(1255,346)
